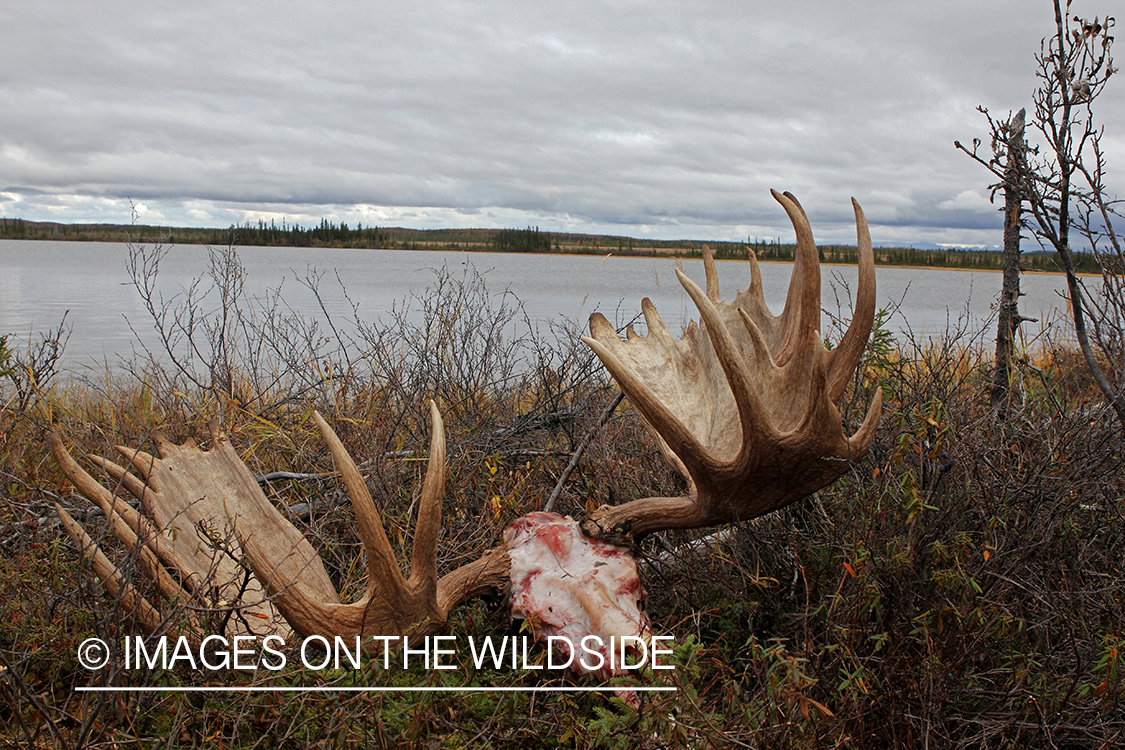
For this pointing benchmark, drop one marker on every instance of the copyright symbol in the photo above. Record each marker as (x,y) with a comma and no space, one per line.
(93,654)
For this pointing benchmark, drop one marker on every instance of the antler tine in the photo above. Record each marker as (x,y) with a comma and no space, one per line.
(382,566)
(843,360)
(86,484)
(859,442)
(712,274)
(193,500)
(136,487)
(423,560)
(142,462)
(755,288)
(801,316)
(134,604)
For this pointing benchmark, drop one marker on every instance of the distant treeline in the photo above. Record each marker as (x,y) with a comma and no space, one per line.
(529,240)
(325,234)
(983,260)
(522,241)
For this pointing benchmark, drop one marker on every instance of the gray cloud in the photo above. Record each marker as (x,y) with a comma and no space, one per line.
(665,119)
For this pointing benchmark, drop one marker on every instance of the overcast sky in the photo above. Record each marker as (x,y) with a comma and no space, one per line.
(652,118)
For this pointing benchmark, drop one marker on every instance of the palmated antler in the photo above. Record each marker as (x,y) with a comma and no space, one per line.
(181,541)
(744,405)
(187,493)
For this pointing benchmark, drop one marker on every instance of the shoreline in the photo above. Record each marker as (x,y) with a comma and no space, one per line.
(653,254)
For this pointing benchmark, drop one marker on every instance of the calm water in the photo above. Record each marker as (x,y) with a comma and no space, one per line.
(40,281)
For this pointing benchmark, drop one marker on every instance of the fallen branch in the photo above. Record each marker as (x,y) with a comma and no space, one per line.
(550,506)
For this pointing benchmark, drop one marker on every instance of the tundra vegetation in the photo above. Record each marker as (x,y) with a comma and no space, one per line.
(959,587)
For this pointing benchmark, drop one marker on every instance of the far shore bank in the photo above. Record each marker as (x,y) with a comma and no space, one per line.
(823,263)
(617,247)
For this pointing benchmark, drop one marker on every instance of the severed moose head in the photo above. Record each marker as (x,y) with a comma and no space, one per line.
(743,406)
(582,591)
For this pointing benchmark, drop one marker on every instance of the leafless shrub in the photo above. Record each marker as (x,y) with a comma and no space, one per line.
(34,367)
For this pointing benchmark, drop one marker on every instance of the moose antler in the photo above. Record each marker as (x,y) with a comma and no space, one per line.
(744,405)
(193,495)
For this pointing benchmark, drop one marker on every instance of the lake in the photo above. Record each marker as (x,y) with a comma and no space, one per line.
(42,280)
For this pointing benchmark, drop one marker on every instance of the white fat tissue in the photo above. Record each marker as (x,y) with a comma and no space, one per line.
(566,584)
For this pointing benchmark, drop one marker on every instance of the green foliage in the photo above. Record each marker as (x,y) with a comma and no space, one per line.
(529,240)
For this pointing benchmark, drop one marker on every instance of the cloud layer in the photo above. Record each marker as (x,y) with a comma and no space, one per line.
(661,119)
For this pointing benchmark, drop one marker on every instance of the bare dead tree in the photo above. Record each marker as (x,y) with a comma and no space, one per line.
(1062,184)
(1009,319)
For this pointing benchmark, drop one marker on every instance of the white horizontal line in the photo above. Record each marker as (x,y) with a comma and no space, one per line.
(330,689)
